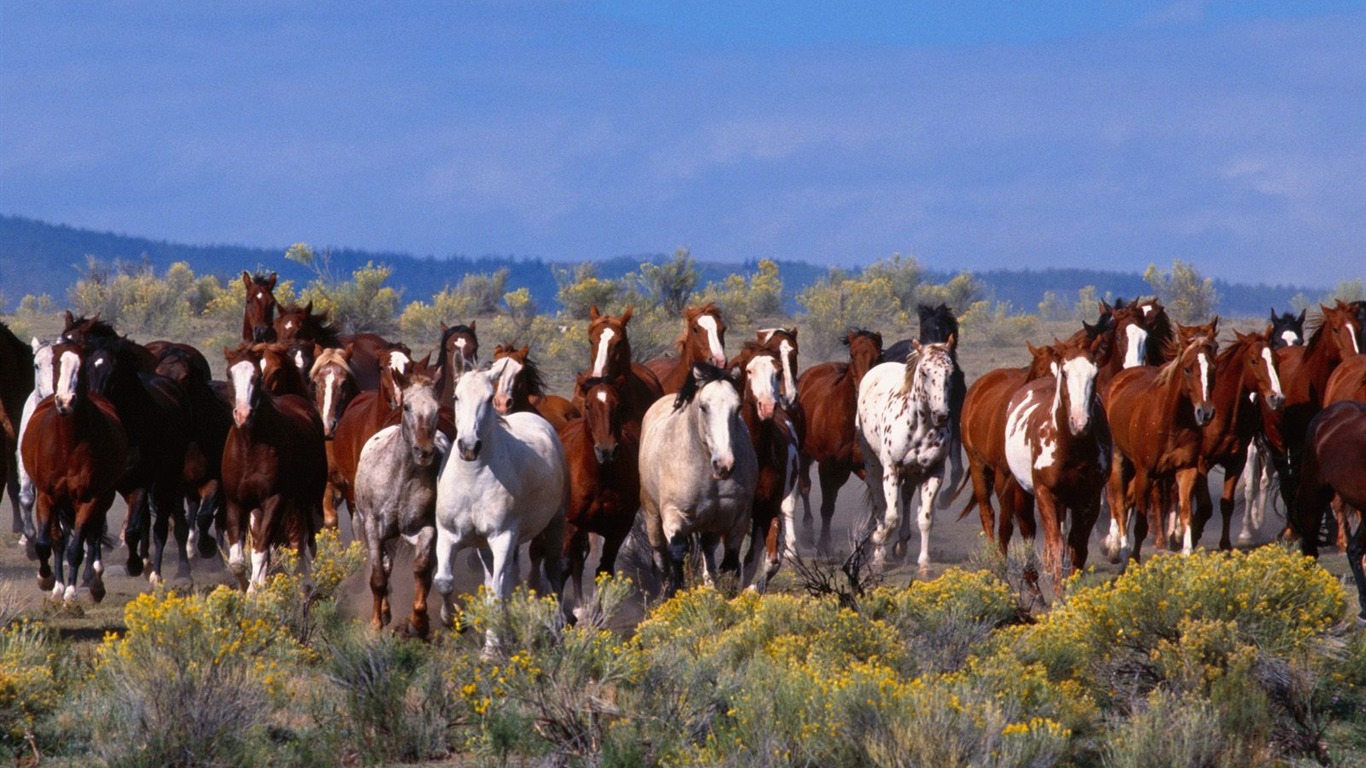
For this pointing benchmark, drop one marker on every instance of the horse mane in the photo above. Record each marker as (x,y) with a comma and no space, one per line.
(691,386)
(441,357)
(1240,342)
(93,327)
(314,326)
(1167,371)
(531,374)
(263,280)
(943,324)
(331,355)
(857,331)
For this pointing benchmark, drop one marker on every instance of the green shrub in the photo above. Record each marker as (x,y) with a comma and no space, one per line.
(28,685)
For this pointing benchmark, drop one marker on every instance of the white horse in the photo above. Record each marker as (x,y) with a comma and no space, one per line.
(903,430)
(395,493)
(42,387)
(697,474)
(505,484)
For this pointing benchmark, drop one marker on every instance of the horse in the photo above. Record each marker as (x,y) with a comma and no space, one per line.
(1057,446)
(210,420)
(395,492)
(1244,372)
(274,463)
(521,388)
(505,484)
(703,340)
(43,383)
(985,409)
(1285,329)
(303,324)
(1334,468)
(697,474)
(610,347)
(258,319)
(334,385)
(602,451)
(1156,418)
(457,353)
(368,413)
(903,431)
(783,343)
(75,451)
(777,451)
(829,394)
(364,352)
(16,384)
(1282,330)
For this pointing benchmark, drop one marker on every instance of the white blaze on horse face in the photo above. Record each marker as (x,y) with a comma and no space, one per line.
(242,377)
(600,361)
(718,355)
(504,373)
(602,397)
(762,376)
(299,361)
(329,386)
(1356,346)
(1291,338)
(1271,372)
(473,405)
(786,352)
(1080,375)
(42,370)
(1204,376)
(722,402)
(1137,346)
(398,361)
(65,390)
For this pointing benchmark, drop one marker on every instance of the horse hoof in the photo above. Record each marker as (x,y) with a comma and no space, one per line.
(206,546)
(1245,540)
(97,591)
(153,578)
(46,583)
(135,566)
(925,572)
(31,549)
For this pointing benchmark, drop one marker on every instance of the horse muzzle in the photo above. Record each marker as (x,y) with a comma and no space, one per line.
(765,408)
(1204,414)
(605,454)
(469,451)
(241,417)
(423,456)
(502,403)
(64,404)
(1275,402)
(721,468)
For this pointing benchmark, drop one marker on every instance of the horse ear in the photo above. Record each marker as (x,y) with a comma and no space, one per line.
(270,281)
(952,341)
(35,344)
(246,278)
(1301,320)
(594,313)
(793,331)
(308,308)
(444,328)
(70,320)
(626,316)
(1214,326)
(400,383)
(1273,314)
(524,351)
(227,353)
(472,325)
(916,344)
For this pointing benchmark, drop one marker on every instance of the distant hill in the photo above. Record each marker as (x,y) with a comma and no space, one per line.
(37,257)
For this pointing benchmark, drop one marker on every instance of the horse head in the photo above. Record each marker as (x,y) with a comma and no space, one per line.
(333,383)
(714,399)
(475,416)
(1254,355)
(459,350)
(601,398)
(1075,368)
(928,378)
(607,339)
(937,324)
(1130,333)
(258,319)
(1342,324)
(1195,366)
(395,358)
(244,382)
(1285,329)
(865,349)
(421,413)
(783,341)
(69,384)
(43,377)
(505,371)
(279,373)
(704,335)
(761,380)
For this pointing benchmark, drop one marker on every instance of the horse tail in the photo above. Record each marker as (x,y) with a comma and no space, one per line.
(972,500)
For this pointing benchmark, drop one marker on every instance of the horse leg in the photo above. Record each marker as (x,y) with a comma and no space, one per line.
(263,522)
(74,546)
(94,569)
(550,542)
(379,582)
(804,490)
(423,561)
(234,535)
(833,475)
(500,558)
(1079,534)
(1048,508)
(1340,515)
(1203,509)
(27,495)
(1356,560)
(210,496)
(1186,481)
(576,546)
(707,543)
(133,526)
(1226,507)
(983,478)
(42,541)
(1252,500)
(1140,492)
(443,579)
(887,511)
(161,526)
(929,489)
(1117,541)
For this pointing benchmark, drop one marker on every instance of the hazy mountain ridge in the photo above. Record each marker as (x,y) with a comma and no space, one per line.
(37,257)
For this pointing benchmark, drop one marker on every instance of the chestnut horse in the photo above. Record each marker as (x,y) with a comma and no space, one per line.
(602,450)
(1156,418)
(1282,330)
(703,340)
(1334,468)
(457,353)
(1245,373)
(521,388)
(75,451)
(274,462)
(610,350)
(16,383)
(1057,445)
(829,393)
(776,449)
(258,319)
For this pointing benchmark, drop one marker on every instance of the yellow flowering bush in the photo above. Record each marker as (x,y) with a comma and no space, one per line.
(28,685)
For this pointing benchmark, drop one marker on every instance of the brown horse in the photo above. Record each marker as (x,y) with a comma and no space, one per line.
(777,450)
(303,324)
(1348,381)
(985,408)
(1244,370)
(458,352)
(75,452)
(274,462)
(610,350)
(1058,446)
(1334,469)
(258,320)
(333,384)
(829,393)
(703,340)
(602,449)
(520,388)
(1156,418)
(16,382)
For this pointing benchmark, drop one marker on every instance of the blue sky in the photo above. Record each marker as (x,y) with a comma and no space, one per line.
(972,134)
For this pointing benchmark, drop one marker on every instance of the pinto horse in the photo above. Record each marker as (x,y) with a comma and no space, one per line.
(396,496)
(457,353)
(829,394)
(697,474)
(602,451)
(1334,469)
(903,430)
(1157,418)
(75,451)
(703,340)
(776,448)
(610,347)
(274,462)
(1244,373)
(1057,445)
(258,319)
(521,388)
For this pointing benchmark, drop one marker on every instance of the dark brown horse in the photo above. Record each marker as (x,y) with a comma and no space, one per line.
(1245,373)
(1058,446)
(777,450)
(1157,418)
(16,382)
(303,324)
(601,449)
(520,388)
(75,451)
(1334,469)
(458,352)
(829,394)
(703,340)
(274,463)
(259,317)
(610,358)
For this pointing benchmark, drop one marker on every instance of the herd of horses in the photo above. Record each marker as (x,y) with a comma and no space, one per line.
(700,449)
